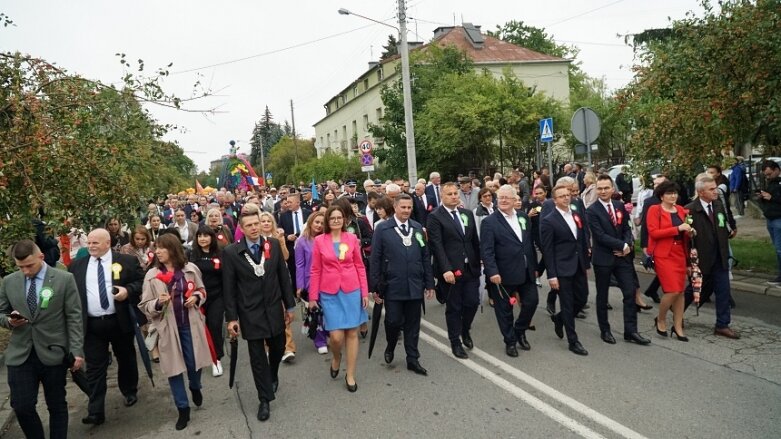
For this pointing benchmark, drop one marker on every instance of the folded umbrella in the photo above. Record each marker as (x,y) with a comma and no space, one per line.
(376,315)
(142,350)
(79,377)
(234,343)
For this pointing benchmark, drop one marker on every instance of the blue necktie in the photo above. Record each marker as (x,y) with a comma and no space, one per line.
(296,230)
(404,229)
(32,298)
(256,252)
(458,222)
(102,286)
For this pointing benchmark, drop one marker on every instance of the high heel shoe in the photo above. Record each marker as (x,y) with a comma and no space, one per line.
(679,337)
(335,372)
(656,326)
(350,388)
(645,307)
(364,333)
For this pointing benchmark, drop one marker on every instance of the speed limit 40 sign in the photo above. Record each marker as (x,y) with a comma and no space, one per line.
(365,147)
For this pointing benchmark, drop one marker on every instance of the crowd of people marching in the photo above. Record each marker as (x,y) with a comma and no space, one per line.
(197,266)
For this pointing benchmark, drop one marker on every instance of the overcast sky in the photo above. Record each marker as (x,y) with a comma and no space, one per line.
(272,52)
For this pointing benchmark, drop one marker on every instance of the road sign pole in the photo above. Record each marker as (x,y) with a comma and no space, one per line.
(588,141)
(550,162)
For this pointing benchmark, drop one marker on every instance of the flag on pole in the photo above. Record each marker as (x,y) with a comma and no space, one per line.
(315,194)
(198,187)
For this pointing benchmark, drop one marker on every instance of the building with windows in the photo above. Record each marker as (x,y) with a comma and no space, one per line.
(349,113)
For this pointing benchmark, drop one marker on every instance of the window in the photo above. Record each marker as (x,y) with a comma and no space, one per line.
(355,129)
(366,122)
(379,114)
(380,74)
(355,90)
(365,84)
(328,138)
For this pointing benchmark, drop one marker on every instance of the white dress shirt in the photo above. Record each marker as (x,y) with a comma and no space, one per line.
(512,220)
(93,290)
(567,215)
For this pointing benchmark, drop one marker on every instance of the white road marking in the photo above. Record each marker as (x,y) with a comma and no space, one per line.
(573,404)
(549,411)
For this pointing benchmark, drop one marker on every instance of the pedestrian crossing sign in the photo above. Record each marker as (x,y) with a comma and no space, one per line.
(546,130)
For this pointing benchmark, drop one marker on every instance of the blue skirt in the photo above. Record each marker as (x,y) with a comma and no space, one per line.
(342,310)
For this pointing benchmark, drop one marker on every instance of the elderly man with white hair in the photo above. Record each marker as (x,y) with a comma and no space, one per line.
(433,190)
(392,191)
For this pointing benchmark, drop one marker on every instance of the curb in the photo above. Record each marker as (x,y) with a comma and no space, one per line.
(749,287)
(6,413)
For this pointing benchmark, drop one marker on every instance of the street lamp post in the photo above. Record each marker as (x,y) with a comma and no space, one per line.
(412,163)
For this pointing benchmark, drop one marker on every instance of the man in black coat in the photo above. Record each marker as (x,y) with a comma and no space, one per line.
(507,250)
(293,221)
(709,219)
(565,246)
(420,204)
(652,289)
(612,255)
(400,272)
(456,249)
(109,285)
(259,299)
(434,191)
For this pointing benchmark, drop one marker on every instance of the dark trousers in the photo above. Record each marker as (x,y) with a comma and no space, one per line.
(653,288)
(403,315)
(101,332)
(527,293)
(266,370)
(463,299)
(716,282)
(573,293)
(623,270)
(23,382)
(215,322)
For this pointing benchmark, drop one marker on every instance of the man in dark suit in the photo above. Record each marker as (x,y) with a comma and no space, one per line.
(434,190)
(709,219)
(109,284)
(350,192)
(507,250)
(420,205)
(565,246)
(400,271)
(41,307)
(456,249)
(612,255)
(533,210)
(293,222)
(258,298)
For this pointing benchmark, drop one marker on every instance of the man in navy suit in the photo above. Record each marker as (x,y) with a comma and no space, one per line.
(293,221)
(612,254)
(507,250)
(454,243)
(565,246)
(420,205)
(400,271)
(434,190)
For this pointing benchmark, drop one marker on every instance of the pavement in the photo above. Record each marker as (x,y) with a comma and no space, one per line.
(709,387)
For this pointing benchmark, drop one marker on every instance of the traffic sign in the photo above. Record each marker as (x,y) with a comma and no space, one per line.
(586,125)
(366,147)
(367,160)
(546,130)
(369,168)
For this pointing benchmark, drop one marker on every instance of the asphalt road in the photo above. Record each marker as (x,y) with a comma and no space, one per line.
(709,387)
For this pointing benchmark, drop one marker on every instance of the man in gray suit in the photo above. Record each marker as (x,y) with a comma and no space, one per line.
(41,307)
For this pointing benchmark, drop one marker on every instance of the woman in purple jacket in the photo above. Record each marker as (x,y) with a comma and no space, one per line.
(314,227)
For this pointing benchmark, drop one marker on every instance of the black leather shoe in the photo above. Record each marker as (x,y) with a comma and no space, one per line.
(274,386)
(93,419)
(467,340)
(184,418)
(551,308)
(264,411)
(352,388)
(578,348)
(523,343)
(510,350)
(581,315)
(417,368)
(609,307)
(388,355)
(654,296)
(586,306)
(197,397)
(459,352)
(607,337)
(634,337)
(131,400)
(558,327)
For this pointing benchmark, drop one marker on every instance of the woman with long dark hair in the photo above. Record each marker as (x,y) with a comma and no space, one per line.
(207,256)
(172,293)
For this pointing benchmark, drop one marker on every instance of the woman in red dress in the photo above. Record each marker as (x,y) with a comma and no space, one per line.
(668,233)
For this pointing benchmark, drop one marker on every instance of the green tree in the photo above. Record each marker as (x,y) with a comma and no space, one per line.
(707,87)
(391,48)
(282,158)
(266,133)
(330,166)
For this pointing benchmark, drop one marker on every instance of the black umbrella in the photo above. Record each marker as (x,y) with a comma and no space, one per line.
(234,342)
(376,315)
(79,377)
(142,350)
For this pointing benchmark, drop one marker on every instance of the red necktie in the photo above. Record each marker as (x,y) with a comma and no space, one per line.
(612,215)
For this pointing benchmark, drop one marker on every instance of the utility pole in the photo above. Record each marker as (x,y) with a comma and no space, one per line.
(412,163)
(295,140)
(262,154)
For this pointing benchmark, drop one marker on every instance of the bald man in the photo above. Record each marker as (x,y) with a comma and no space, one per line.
(109,285)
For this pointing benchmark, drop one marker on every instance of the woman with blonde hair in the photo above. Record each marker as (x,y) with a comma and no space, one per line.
(214,220)
(314,227)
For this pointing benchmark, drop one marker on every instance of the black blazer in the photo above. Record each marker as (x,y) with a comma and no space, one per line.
(286,222)
(605,237)
(131,277)
(563,253)
(257,303)
(431,197)
(448,246)
(420,210)
(650,201)
(503,253)
(712,239)
(396,271)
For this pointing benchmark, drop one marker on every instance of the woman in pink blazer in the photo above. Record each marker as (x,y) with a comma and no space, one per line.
(337,283)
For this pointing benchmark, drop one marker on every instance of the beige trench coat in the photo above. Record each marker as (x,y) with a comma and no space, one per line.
(171,357)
